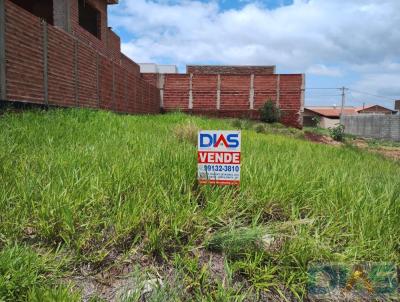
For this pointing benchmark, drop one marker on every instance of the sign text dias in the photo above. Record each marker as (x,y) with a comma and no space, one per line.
(218,157)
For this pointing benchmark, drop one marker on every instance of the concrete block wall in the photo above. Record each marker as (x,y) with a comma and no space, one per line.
(46,65)
(373,126)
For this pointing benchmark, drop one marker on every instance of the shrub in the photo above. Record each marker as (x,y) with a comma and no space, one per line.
(316,120)
(270,113)
(337,133)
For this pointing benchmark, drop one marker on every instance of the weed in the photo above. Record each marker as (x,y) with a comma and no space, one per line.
(94,184)
(237,123)
(259,128)
(187,132)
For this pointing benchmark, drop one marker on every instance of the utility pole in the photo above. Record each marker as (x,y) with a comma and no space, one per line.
(343,100)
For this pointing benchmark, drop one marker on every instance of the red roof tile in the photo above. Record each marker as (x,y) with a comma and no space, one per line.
(332,112)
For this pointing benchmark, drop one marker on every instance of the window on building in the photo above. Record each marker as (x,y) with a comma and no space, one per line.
(40,8)
(89,18)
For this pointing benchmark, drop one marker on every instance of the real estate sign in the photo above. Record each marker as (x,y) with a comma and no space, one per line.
(218,157)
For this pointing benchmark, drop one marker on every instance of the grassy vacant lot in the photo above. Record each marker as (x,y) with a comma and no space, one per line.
(89,198)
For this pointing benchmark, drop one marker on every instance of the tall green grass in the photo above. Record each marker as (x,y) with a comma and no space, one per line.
(92,182)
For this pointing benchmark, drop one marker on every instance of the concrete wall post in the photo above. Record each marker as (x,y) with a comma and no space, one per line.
(76,75)
(98,79)
(251,96)
(190,91)
(62,13)
(218,92)
(113,86)
(160,86)
(45,63)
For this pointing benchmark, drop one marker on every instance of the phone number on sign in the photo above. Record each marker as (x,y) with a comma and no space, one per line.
(221,168)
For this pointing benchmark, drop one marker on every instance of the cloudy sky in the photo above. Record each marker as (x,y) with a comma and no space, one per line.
(351,43)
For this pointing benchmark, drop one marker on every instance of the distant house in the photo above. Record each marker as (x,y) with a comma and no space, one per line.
(375,109)
(327,116)
(330,116)
(397,105)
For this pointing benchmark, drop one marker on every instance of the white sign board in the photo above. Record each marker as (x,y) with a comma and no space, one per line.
(218,157)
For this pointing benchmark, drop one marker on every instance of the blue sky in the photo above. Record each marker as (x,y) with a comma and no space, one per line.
(352,43)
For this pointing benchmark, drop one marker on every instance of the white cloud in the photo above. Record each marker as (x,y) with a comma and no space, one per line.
(386,85)
(334,38)
(323,70)
(293,37)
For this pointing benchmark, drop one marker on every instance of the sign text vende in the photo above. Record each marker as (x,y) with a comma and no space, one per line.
(219,157)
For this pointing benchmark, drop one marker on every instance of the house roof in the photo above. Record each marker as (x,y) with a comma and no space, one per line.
(371,106)
(331,111)
(334,112)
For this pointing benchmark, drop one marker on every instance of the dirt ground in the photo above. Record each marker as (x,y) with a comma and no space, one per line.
(389,152)
(321,139)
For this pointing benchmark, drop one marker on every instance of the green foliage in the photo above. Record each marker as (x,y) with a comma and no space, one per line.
(259,128)
(56,294)
(316,120)
(237,123)
(237,241)
(270,113)
(187,132)
(20,270)
(91,182)
(337,133)
(23,274)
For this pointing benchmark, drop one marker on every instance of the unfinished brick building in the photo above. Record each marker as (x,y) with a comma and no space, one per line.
(62,53)
(231,91)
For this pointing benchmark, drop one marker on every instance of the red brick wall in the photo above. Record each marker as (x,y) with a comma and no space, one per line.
(285,90)
(61,71)
(235,92)
(130,65)
(217,69)
(78,74)
(113,45)
(265,88)
(24,55)
(204,92)
(290,99)
(176,91)
(151,78)
(85,36)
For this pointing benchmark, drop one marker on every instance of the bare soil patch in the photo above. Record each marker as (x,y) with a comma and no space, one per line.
(389,152)
(321,139)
